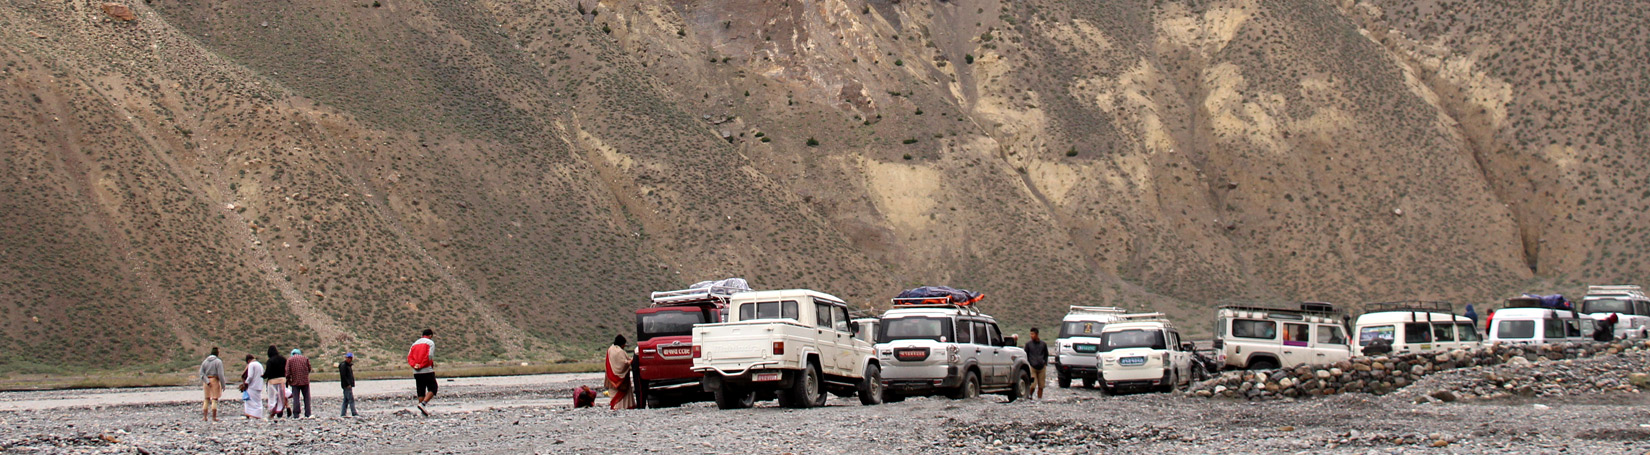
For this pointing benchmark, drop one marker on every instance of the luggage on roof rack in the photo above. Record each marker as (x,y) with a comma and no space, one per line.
(1303,307)
(717,290)
(1410,305)
(937,295)
(1552,302)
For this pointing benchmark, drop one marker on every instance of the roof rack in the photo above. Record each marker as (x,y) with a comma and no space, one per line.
(1630,290)
(1410,305)
(1143,317)
(1304,307)
(716,294)
(1095,309)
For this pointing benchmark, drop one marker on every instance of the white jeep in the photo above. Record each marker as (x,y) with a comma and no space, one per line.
(1264,338)
(1144,350)
(1078,341)
(794,345)
(927,349)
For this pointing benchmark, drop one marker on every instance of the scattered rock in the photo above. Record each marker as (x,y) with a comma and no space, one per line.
(118,11)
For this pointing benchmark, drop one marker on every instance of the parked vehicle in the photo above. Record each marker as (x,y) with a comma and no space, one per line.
(1414,326)
(1262,338)
(1527,320)
(867,329)
(795,345)
(948,348)
(1079,340)
(1627,302)
(1144,351)
(663,369)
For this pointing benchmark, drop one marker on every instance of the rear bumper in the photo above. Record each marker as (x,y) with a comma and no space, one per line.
(1149,375)
(735,373)
(1077,371)
(921,379)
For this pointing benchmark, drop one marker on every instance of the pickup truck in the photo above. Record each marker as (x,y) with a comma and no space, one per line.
(794,345)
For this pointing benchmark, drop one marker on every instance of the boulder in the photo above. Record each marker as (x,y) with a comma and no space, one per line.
(118,11)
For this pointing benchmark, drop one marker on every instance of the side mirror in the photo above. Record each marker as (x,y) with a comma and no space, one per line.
(1011,340)
(1219,343)
(853,328)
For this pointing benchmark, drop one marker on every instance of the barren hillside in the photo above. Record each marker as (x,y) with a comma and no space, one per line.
(517,174)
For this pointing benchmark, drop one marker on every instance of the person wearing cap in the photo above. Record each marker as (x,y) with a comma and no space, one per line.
(346,379)
(297,378)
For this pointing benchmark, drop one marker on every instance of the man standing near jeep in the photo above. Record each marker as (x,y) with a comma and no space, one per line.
(1037,357)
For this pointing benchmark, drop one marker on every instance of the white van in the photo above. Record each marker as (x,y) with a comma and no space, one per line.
(1628,303)
(1079,340)
(1525,321)
(1261,338)
(1412,327)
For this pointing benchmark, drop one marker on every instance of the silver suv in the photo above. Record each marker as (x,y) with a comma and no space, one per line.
(928,349)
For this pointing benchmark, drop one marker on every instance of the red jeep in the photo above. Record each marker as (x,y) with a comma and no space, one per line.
(664,345)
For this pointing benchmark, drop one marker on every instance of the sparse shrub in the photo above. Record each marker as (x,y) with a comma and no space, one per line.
(606,29)
(1072,152)
(909,142)
(919,111)
(813,142)
(968,58)
(908,156)
(899,62)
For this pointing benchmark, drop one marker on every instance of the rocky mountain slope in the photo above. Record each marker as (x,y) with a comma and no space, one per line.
(519,173)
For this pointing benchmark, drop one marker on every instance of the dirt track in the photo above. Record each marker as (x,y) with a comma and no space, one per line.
(530,414)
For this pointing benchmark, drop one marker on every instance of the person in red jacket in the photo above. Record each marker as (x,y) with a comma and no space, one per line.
(422,360)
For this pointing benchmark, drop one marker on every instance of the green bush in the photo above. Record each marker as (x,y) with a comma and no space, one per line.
(813,142)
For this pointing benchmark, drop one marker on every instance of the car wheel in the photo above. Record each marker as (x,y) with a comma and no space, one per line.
(970,388)
(804,391)
(1088,383)
(1022,386)
(1263,364)
(729,396)
(870,387)
(644,400)
(1063,379)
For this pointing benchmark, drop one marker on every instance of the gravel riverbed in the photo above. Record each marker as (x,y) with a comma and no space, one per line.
(533,417)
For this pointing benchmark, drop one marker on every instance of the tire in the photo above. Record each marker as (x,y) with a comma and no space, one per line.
(730,396)
(970,388)
(1022,386)
(647,400)
(1088,383)
(1169,381)
(1063,379)
(805,391)
(870,387)
(1263,364)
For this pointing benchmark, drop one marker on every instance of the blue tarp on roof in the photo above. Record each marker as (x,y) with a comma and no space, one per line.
(953,295)
(1555,301)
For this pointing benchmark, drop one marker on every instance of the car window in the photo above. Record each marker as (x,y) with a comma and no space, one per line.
(1417,332)
(1330,334)
(1573,327)
(965,331)
(768,310)
(996,335)
(1513,330)
(1131,338)
(1254,328)
(980,334)
(914,328)
(667,323)
(1081,329)
(1467,331)
(1296,334)
(1443,332)
(822,315)
(840,318)
(1375,332)
(1553,328)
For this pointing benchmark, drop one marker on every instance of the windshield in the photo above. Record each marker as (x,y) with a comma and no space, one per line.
(1370,334)
(1511,330)
(915,328)
(1131,338)
(1081,329)
(1607,306)
(667,324)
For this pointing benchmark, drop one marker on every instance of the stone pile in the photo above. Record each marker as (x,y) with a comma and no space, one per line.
(1385,374)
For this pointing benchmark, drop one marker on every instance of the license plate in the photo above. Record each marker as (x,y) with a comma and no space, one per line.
(1131,361)
(675,352)
(764,377)
(1085,348)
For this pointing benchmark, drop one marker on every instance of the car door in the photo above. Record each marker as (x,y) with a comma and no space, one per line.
(1297,344)
(847,358)
(1329,344)
(824,337)
(982,351)
(999,359)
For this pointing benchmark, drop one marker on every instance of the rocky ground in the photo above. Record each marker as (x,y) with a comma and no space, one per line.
(516,419)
